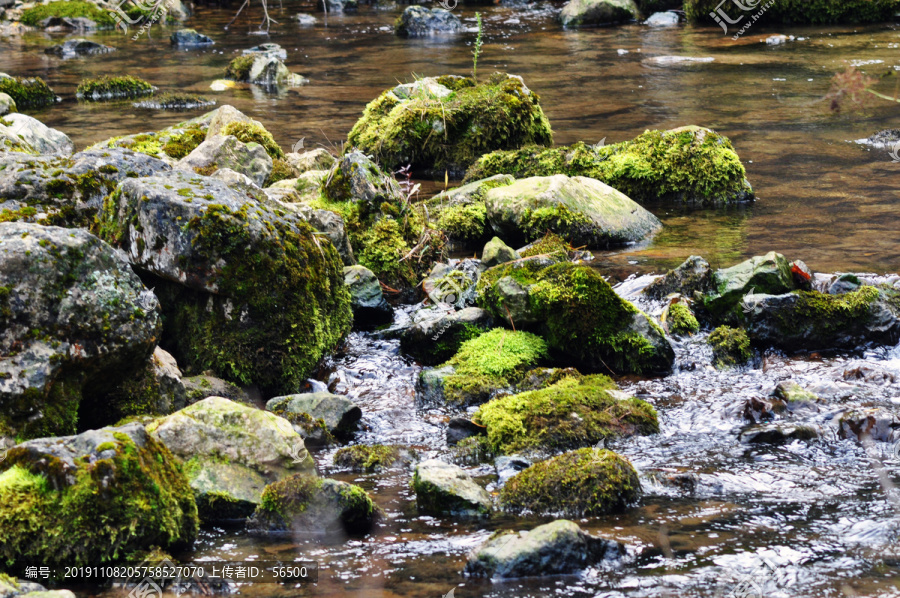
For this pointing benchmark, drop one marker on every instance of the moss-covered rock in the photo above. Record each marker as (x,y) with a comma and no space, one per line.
(262,69)
(248,289)
(74,320)
(799,12)
(92,499)
(577,13)
(582,483)
(445,489)
(731,346)
(108,88)
(768,274)
(35,15)
(368,458)
(693,279)
(490,362)
(340,415)
(578,314)
(303,504)
(249,132)
(28,93)
(448,122)
(416,21)
(680,319)
(691,165)
(231,452)
(461,213)
(227,151)
(569,414)
(497,252)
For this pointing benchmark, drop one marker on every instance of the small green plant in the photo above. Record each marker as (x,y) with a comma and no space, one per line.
(478,43)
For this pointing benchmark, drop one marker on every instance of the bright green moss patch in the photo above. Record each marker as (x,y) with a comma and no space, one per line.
(281,170)
(367,458)
(106,87)
(690,164)
(551,245)
(582,483)
(248,132)
(180,145)
(239,68)
(492,361)
(569,414)
(28,93)
(681,320)
(70,8)
(731,346)
(466,223)
(450,132)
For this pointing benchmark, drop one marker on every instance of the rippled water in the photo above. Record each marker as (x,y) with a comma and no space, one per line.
(806,519)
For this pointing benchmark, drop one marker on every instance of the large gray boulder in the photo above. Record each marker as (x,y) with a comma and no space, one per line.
(38,136)
(445,489)
(550,549)
(584,211)
(7,104)
(767,274)
(370,308)
(231,452)
(315,159)
(437,333)
(339,414)
(597,12)
(356,177)
(226,151)
(418,21)
(74,320)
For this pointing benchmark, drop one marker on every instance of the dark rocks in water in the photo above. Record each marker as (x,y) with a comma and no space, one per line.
(845,283)
(175,101)
(577,13)
(71,23)
(370,308)
(776,434)
(437,334)
(445,489)
(693,278)
(75,320)
(550,549)
(460,428)
(340,415)
(28,93)
(418,21)
(190,37)
(78,47)
(262,69)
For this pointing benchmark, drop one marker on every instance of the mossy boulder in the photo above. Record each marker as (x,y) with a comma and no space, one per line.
(416,21)
(74,320)
(108,88)
(554,548)
(799,12)
(583,211)
(446,123)
(368,458)
(484,365)
(680,320)
(303,505)
(577,13)
(768,274)
(315,159)
(437,333)
(7,104)
(227,151)
(572,413)
(38,136)
(91,499)
(263,69)
(249,290)
(250,132)
(202,386)
(461,213)
(497,252)
(231,452)
(579,315)
(37,15)
(582,483)
(693,279)
(71,48)
(28,93)
(691,165)
(445,489)
(339,414)
(731,346)
(370,308)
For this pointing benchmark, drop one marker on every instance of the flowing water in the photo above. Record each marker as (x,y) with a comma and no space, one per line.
(806,518)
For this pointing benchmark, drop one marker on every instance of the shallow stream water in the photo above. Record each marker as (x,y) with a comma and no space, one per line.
(806,519)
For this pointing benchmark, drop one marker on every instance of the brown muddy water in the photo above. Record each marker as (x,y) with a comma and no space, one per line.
(803,519)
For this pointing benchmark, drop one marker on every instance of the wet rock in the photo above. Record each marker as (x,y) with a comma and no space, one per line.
(203,245)
(444,489)
(692,278)
(232,178)
(37,135)
(793,393)
(303,505)
(190,37)
(203,386)
(549,549)
(870,374)
(317,159)
(668,18)
(231,453)
(582,483)
(497,252)
(418,21)
(731,347)
(263,69)
(868,424)
(78,47)
(769,274)
(509,465)
(886,139)
(461,212)
(333,227)
(266,50)
(777,434)
(68,23)
(371,458)
(803,276)
(356,177)
(369,305)
(582,323)
(75,320)
(437,334)
(430,385)
(680,320)
(340,414)
(74,500)
(577,13)
(28,93)
(453,284)
(217,120)
(845,283)
(226,151)
(460,428)
(7,104)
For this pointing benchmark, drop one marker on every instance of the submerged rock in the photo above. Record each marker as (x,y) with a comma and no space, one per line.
(692,165)
(231,453)
(417,21)
(190,37)
(75,320)
(581,210)
(88,499)
(550,549)
(369,305)
(597,12)
(444,489)
(78,47)
(451,132)
(226,151)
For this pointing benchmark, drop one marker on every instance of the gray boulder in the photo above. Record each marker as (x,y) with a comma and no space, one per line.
(582,210)
(226,151)
(444,489)
(200,387)
(75,319)
(768,274)
(577,13)
(356,177)
(333,227)
(269,71)
(340,415)
(370,308)
(7,104)
(437,333)
(418,21)
(550,549)
(231,452)
(317,159)
(497,252)
(694,279)
(190,37)
(668,18)
(78,47)
(37,135)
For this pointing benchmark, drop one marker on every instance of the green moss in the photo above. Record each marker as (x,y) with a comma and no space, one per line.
(551,245)
(281,170)
(25,213)
(101,513)
(465,223)
(28,93)
(569,414)
(681,320)
(180,145)
(832,313)
(107,87)
(309,424)
(492,361)
(367,458)
(383,248)
(802,12)
(690,164)
(248,132)
(582,483)
(451,132)
(731,346)
(239,68)
(68,8)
